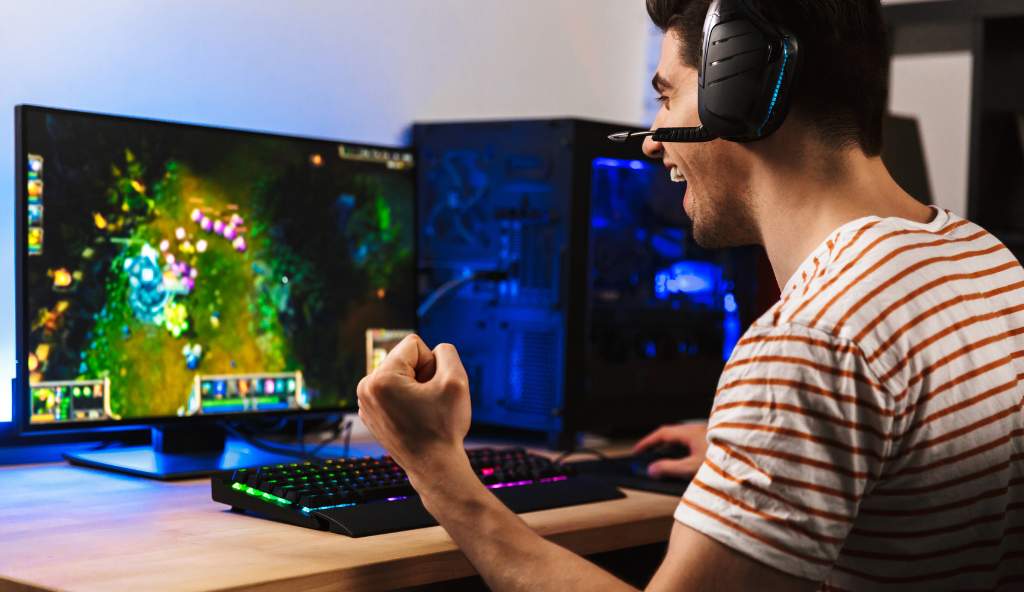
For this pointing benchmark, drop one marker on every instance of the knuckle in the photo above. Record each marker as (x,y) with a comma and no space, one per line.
(383,382)
(454,384)
(375,387)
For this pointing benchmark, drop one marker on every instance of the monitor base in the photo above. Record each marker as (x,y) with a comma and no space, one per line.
(145,461)
(190,452)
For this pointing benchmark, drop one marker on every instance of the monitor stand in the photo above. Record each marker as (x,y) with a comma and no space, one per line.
(179,453)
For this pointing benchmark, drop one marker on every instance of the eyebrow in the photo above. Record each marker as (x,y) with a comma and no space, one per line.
(660,84)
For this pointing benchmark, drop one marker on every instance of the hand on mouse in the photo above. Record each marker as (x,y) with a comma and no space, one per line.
(692,435)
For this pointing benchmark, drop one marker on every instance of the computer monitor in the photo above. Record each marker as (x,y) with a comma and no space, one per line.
(172,274)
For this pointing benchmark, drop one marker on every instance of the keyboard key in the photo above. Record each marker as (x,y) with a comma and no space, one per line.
(316,500)
(384,492)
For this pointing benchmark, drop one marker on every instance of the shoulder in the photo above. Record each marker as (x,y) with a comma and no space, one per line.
(793,355)
(766,337)
(885,269)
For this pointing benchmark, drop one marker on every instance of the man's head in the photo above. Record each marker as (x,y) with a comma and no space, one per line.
(838,102)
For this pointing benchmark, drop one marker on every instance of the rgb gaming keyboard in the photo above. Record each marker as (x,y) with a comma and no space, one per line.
(366,496)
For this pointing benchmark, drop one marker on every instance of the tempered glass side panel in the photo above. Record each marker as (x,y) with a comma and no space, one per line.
(665,313)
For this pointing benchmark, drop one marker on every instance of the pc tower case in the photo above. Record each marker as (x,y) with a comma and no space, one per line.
(562,267)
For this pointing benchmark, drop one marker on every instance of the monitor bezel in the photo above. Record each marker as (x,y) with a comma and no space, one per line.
(20,401)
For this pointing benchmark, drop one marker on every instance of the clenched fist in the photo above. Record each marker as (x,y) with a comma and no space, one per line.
(417,406)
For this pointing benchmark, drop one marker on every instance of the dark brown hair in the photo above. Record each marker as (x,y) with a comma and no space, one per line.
(843,85)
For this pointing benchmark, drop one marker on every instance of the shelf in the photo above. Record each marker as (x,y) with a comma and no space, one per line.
(934,11)
(990,30)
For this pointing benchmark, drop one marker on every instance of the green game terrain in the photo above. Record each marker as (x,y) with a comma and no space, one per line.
(188,253)
(231,312)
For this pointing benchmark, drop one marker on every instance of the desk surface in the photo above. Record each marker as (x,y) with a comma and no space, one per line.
(63,527)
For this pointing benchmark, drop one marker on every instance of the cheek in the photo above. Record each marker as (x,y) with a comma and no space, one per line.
(717,163)
(683,113)
(678,153)
(706,178)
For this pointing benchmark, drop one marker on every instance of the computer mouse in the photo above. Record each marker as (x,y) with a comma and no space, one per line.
(638,466)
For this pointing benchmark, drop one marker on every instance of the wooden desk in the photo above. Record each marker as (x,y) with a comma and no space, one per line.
(69,528)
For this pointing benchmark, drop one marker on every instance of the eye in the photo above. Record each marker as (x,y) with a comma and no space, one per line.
(663,100)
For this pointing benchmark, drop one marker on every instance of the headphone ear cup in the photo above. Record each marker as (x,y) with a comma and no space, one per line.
(733,77)
(746,71)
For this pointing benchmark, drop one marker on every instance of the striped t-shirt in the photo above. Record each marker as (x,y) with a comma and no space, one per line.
(868,431)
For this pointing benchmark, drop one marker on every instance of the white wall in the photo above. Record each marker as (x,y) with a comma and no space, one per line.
(359,70)
(936,89)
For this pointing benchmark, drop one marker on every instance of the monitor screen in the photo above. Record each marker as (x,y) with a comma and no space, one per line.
(170,270)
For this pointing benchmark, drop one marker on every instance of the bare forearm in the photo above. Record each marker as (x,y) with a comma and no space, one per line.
(417,404)
(506,552)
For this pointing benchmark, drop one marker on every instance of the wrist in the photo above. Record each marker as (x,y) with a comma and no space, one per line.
(431,464)
(444,475)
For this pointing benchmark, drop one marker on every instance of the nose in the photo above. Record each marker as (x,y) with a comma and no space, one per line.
(652,148)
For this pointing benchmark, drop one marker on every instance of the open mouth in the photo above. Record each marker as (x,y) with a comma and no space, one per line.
(676,175)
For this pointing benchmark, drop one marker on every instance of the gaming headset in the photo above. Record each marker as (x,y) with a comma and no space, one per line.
(748,65)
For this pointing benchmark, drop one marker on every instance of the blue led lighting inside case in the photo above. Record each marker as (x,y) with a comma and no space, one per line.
(636,165)
(731,326)
(699,280)
(645,258)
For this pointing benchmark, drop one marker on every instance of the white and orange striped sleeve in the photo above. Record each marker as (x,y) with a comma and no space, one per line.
(798,433)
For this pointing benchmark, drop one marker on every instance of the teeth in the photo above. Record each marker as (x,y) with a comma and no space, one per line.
(676,176)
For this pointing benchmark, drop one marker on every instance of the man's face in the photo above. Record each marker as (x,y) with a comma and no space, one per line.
(717,195)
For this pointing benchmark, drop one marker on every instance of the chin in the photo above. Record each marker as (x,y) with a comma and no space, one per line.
(704,237)
(710,230)
(720,233)
(721,217)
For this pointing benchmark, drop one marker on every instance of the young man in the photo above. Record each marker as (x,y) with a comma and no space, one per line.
(868,432)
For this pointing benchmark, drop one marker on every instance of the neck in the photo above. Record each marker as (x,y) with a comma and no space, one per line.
(801,199)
